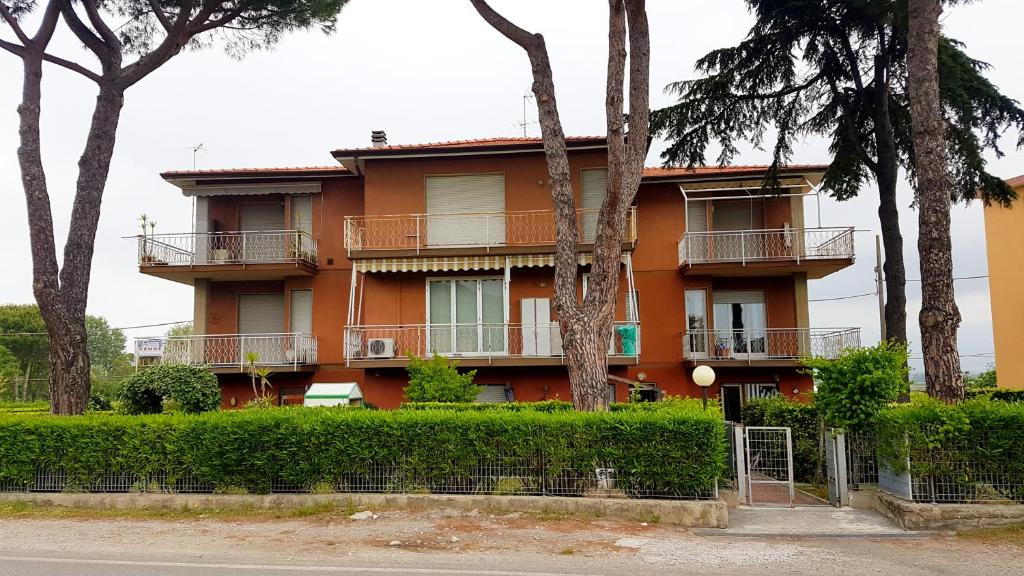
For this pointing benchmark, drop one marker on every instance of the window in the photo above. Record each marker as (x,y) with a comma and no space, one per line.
(478,200)
(740,323)
(466,316)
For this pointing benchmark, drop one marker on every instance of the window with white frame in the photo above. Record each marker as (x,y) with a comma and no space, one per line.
(466,316)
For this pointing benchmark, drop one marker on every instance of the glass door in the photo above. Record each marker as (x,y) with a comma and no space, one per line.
(466,316)
(696,324)
(740,324)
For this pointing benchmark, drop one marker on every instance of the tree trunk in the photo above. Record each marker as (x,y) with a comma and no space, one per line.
(939,318)
(587,327)
(887,174)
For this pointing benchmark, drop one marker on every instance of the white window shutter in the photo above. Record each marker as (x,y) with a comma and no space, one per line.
(595,188)
(479,199)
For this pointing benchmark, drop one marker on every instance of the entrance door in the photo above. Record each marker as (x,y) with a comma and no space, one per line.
(732,402)
(740,324)
(466,316)
(769,459)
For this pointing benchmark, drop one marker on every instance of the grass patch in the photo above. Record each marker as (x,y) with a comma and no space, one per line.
(1013,534)
(322,510)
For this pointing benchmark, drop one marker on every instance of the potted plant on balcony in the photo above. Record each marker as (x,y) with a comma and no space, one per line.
(148,241)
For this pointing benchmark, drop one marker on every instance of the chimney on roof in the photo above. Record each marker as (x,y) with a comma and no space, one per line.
(379,138)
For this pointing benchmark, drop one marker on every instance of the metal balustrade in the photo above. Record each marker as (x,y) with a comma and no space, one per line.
(231,350)
(474,341)
(743,246)
(201,248)
(768,343)
(468,230)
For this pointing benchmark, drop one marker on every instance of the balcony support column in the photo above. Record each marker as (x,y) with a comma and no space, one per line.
(202,292)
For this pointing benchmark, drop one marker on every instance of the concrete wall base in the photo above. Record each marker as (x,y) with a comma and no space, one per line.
(919,516)
(688,513)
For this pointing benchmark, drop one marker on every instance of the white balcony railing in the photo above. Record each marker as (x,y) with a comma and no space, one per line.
(743,246)
(768,344)
(200,248)
(468,230)
(474,341)
(229,350)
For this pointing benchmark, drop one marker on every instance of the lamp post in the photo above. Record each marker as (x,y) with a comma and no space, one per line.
(704,377)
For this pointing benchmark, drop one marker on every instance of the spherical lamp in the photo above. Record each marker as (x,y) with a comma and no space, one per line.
(704,377)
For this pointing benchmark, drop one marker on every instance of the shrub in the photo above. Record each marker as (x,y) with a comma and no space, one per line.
(666,403)
(854,387)
(541,406)
(983,381)
(1000,395)
(966,448)
(668,452)
(193,388)
(804,420)
(437,380)
(24,407)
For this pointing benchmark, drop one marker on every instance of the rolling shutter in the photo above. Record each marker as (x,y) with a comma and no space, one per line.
(256,216)
(479,199)
(697,216)
(260,313)
(595,188)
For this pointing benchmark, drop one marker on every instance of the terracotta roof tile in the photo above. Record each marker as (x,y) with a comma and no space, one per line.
(455,144)
(659,172)
(272,171)
(1016,181)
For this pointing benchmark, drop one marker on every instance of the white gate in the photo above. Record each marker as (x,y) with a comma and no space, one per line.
(769,465)
(835,466)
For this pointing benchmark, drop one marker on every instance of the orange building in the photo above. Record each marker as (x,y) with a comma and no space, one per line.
(1004,235)
(337,274)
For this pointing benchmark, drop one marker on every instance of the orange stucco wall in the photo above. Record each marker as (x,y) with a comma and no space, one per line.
(397,187)
(1004,236)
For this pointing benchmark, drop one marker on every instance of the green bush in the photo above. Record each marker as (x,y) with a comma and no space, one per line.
(670,452)
(24,407)
(541,406)
(854,387)
(1001,394)
(437,380)
(193,388)
(805,422)
(666,403)
(961,446)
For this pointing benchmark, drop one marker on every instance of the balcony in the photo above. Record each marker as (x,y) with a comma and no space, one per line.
(258,255)
(524,232)
(474,345)
(816,251)
(766,347)
(227,352)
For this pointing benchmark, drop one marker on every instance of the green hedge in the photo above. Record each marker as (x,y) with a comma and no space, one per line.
(665,453)
(973,450)
(667,403)
(999,394)
(805,421)
(542,406)
(24,407)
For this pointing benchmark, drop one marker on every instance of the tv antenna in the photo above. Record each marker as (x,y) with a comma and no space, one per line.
(525,123)
(195,150)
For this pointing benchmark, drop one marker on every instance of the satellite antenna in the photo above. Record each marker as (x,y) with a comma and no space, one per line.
(195,150)
(526,97)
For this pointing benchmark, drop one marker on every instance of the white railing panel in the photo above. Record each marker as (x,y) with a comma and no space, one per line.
(232,350)
(474,340)
(743,246)
(262,247)
(467,230)
(769,344)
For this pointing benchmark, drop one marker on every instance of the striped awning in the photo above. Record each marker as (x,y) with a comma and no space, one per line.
(456,263)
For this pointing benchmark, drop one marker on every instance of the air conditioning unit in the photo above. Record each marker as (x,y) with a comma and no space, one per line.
(380,348)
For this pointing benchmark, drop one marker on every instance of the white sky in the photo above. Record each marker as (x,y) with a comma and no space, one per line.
(426,71)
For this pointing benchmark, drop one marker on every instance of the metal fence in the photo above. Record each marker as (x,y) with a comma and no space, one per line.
(498,475)
(977,469)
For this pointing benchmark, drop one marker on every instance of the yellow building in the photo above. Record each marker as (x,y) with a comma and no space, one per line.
(1004,235)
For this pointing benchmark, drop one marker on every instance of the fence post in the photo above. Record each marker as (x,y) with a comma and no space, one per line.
(739,447)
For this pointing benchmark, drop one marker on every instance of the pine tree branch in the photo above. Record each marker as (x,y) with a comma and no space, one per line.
(108,36)
(84,33)
(161,16)
(9,18)
(20,51)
